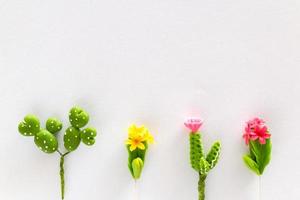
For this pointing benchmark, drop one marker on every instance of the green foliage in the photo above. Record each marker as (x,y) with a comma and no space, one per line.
(198,160)
(132,156)
(259,157)
(53,125)
(251,164)
(78,117)
(30,126)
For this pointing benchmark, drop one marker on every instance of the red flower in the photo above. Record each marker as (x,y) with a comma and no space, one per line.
(256,129)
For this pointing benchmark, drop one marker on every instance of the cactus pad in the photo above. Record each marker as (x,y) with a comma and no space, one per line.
(53,125)
(88,136)
(46,142)
(30,126)
(72,138)
(78,117)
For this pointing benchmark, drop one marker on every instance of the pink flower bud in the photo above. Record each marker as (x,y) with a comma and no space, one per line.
(193,124)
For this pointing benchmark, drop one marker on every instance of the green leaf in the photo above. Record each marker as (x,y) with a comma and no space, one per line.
(262,153)
(251,164)
(214,154)
(137,153)
(137,167)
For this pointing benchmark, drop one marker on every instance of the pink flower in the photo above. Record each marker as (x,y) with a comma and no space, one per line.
(193,124)
(256,129)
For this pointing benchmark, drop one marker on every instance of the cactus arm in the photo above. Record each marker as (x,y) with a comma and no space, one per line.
(214,154)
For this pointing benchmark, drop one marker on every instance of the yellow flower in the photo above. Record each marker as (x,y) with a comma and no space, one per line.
(136,142)
(134,131)
(137,136)
(149,138)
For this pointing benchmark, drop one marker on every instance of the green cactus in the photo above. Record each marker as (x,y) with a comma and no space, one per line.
(196,151)
(46,140)
(78,117)
(30,126)
(53,125)
(88,136)
(201,163)
(72,138)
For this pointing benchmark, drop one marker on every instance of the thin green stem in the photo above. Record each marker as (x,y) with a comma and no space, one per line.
(62,173)
(259,188)
(201,186)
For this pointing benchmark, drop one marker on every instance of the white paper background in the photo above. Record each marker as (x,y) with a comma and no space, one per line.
(153,63)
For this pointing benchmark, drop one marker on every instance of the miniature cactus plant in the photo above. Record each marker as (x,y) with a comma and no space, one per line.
(258,139)
(199,161)
(137,144)
(46,140)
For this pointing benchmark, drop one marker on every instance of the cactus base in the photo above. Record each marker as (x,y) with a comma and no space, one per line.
(201,186)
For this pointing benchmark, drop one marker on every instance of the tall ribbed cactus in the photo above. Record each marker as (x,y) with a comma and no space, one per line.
(201,163)
(46,140)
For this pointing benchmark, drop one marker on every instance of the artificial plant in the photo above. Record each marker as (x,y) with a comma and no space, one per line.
(258,139)
(137,144)
(200,162)
(46,138)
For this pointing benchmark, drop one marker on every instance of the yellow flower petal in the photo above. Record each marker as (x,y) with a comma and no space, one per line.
(141,146)
(128,141)
(132,147)
(149,137)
